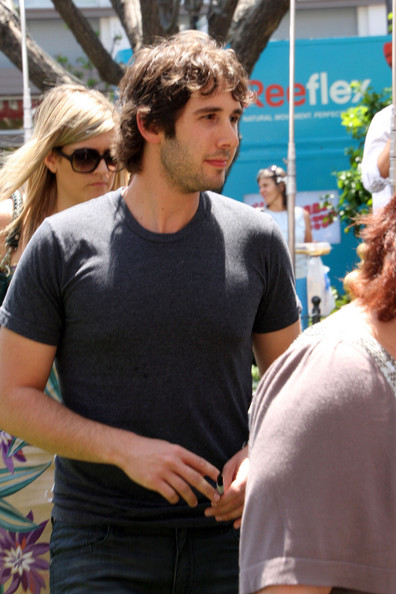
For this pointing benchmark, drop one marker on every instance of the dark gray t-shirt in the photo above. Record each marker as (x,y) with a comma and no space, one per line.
(153,334)
(320,503)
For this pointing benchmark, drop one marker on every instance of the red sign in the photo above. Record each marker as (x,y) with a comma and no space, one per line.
(13,108)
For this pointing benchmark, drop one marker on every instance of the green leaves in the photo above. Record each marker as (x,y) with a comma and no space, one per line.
(21,477)
(12,482)
(255,377)
(354,199)
(355,121)
(16,445)
(11,519)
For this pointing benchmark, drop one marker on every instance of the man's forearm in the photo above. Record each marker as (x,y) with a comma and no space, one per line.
(45,423)
(160,466)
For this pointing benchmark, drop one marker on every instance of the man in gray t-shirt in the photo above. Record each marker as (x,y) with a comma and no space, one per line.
(150,299)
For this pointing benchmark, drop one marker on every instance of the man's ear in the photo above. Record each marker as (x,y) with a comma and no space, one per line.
(149,132)
(51,161)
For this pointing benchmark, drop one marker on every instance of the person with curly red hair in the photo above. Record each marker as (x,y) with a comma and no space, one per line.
(320,509)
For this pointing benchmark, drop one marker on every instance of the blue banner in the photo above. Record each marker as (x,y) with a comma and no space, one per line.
(324,72)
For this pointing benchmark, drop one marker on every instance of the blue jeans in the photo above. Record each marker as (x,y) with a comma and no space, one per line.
(113,559)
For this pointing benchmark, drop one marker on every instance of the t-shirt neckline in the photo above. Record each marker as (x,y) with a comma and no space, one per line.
(148,235)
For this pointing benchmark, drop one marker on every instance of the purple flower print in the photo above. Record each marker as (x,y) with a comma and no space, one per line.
(5,442)
(20,559)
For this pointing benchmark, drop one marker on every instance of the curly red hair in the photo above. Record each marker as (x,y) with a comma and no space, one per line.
(374,282)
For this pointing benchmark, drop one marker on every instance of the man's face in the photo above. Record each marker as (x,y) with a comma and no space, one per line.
(206,138)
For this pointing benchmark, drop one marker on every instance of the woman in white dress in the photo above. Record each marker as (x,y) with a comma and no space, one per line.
(272,186)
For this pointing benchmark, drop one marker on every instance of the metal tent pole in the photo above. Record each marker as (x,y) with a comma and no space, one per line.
(27,102)
(291,153)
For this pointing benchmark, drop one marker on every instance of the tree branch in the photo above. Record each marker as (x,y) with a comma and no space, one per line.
(108,69)
(44,72)
(128,11)
(220,18)
(151,20)
(253,24)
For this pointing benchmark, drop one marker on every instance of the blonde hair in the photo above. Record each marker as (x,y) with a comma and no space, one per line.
(67,114)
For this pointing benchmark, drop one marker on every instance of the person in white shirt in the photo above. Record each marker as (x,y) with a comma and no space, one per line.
(376,158)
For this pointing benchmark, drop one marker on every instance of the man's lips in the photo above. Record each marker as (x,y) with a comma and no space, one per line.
(220,162)
(217,163)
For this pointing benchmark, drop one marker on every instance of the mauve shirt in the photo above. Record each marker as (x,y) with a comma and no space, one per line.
(321,496)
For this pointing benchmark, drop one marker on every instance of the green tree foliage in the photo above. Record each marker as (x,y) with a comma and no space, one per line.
(353,197)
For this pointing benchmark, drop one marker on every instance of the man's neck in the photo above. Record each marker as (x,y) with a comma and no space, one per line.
(156,207)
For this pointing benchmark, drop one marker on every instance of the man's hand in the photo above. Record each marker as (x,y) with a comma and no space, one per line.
(169,469)
(230,505)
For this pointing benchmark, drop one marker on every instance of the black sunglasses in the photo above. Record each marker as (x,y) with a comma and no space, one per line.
(86,160)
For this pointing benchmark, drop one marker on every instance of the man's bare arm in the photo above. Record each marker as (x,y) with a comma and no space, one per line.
(268,346)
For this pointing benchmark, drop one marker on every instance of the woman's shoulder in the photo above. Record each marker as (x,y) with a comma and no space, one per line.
(6,210)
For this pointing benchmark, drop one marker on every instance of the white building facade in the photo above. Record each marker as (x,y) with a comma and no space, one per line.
(314,18)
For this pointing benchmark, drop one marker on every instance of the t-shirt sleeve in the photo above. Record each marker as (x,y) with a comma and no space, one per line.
(279,306)
(33,304)
(321,496)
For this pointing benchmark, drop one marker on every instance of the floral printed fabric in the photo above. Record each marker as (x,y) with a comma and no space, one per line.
(21,562)
(22,551)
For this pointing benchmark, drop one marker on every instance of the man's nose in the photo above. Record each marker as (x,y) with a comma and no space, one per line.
(229,136)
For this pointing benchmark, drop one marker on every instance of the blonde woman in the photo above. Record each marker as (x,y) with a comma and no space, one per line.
(67,161)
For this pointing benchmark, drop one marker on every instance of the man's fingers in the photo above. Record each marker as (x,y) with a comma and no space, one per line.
(183,472)
(186,478)
(224,515)
(230,505)
(231,515)
(173,471)
(180,485)
(168,493)
(238,523)
(194,470)
(202,466)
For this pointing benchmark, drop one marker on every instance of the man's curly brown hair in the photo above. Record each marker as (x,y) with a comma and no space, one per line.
(161,80)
